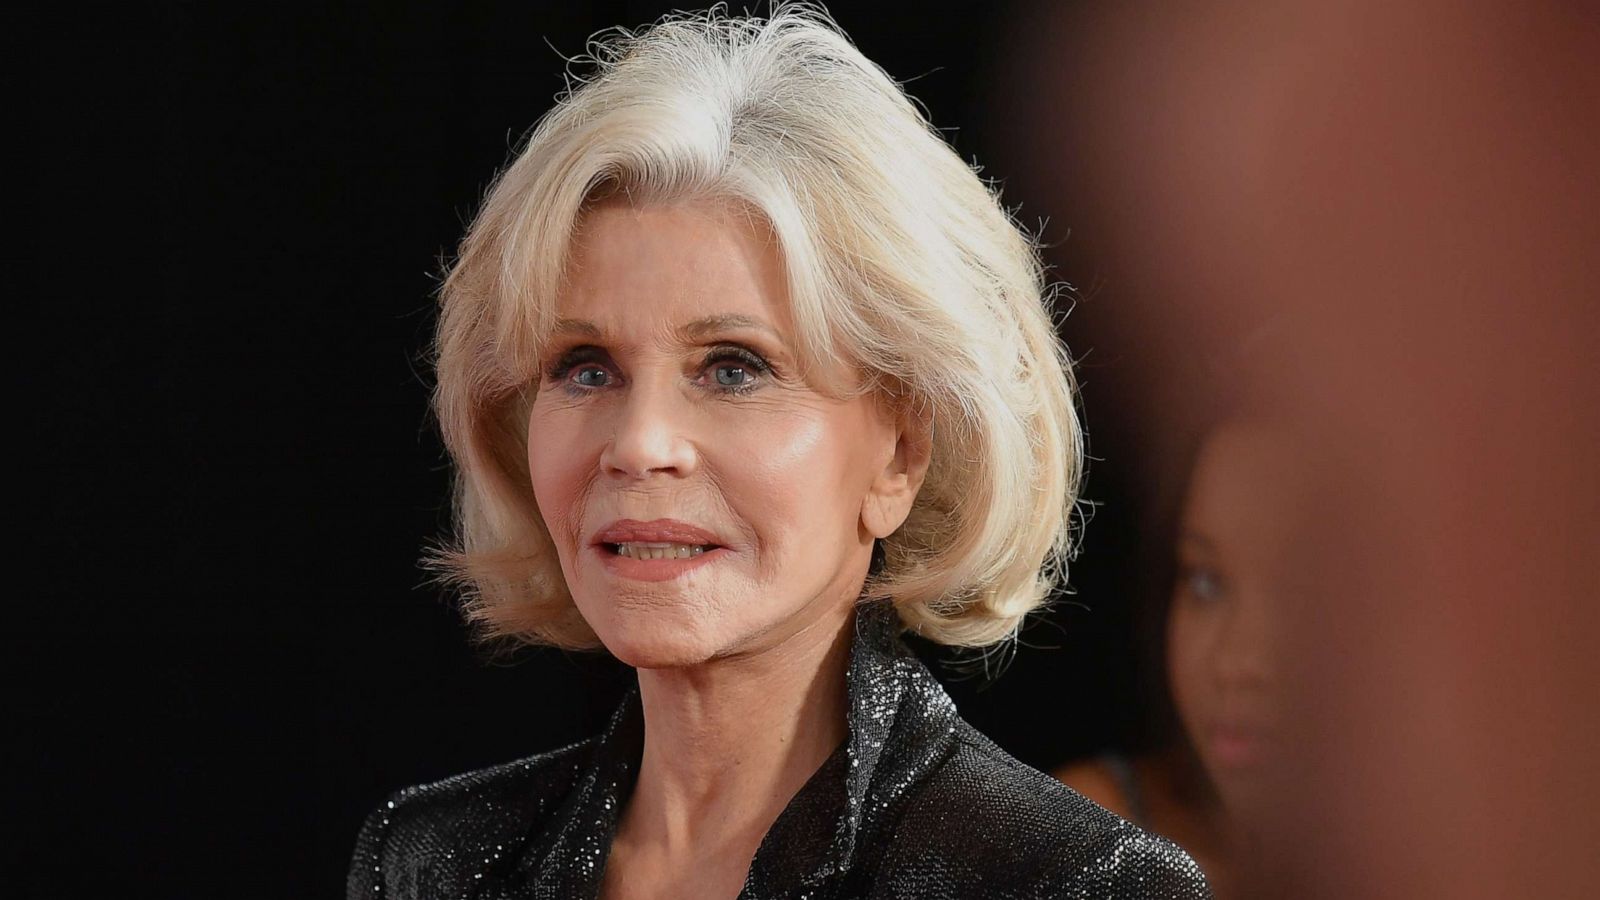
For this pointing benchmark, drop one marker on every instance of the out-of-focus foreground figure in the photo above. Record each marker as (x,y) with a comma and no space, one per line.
(1408,193)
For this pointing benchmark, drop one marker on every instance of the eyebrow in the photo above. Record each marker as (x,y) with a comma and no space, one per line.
(576,326)
(699,328)
(726,322)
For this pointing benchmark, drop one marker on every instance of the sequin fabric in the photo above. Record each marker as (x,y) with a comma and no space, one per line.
(915,803)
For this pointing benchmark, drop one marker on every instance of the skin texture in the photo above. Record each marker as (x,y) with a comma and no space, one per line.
(639,416)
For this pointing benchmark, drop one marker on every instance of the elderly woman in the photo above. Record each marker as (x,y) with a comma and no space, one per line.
(744,372)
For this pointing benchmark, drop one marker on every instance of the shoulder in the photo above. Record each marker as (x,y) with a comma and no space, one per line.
(527,786)
(987,819)
(474,812)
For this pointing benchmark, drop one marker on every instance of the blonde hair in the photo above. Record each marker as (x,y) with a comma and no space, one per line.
(898,258)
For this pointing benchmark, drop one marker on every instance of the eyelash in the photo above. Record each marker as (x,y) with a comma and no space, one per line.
(590,356)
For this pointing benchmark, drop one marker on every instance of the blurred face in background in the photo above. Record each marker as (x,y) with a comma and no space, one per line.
(1232,546)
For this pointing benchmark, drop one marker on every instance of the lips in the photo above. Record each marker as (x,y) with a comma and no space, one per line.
(1238,744)
(660,531)
(660,550)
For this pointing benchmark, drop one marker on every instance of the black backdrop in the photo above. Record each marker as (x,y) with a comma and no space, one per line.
(228,653)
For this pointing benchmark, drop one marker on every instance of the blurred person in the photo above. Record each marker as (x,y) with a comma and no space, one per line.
(1214,582)
(1412,189)
(1218,660)
(744,373)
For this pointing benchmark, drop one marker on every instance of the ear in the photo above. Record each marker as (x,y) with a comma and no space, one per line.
(894,489)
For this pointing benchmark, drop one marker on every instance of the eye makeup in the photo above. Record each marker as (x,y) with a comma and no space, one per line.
(748,360)
(755,366)
(569,359)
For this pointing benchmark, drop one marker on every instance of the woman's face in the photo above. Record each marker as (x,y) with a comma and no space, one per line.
(704,499)
(1231,577)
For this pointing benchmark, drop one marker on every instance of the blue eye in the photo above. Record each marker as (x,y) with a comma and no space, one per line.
(580,369)
(735,369)
(1202,583)
(731,375)
(591,376)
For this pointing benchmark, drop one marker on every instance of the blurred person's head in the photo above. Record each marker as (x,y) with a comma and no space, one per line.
(1230,555)
(1237,481)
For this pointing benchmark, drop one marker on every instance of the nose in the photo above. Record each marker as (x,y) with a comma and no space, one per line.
(650,434)
(1244,648)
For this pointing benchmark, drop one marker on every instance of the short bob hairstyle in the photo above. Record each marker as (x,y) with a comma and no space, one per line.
(899,260)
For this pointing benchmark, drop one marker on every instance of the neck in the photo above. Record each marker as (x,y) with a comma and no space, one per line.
(728,743)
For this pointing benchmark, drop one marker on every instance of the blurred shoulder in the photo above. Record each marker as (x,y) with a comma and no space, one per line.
(985,819)
(474,813)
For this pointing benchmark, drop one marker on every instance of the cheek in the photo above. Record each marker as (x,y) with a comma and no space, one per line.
(1188,662)
(776,461)
(800,476)
(556,470)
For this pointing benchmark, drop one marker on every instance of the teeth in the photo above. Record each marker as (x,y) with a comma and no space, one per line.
(642,550)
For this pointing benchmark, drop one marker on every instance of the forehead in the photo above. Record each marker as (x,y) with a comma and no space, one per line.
(680,263)
(1248,485)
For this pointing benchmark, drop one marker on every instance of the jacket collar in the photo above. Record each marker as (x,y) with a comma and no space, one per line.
(898,720)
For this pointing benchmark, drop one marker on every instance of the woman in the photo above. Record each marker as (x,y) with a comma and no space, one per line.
(744,371)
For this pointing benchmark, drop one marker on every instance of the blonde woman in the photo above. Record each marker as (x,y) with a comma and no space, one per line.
(745,372)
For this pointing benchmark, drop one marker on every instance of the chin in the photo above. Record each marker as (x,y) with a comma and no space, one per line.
(656,639)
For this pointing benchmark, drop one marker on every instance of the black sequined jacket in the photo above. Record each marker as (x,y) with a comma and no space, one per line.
(914,804)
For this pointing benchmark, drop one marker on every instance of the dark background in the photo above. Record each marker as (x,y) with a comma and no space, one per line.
(228,652)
